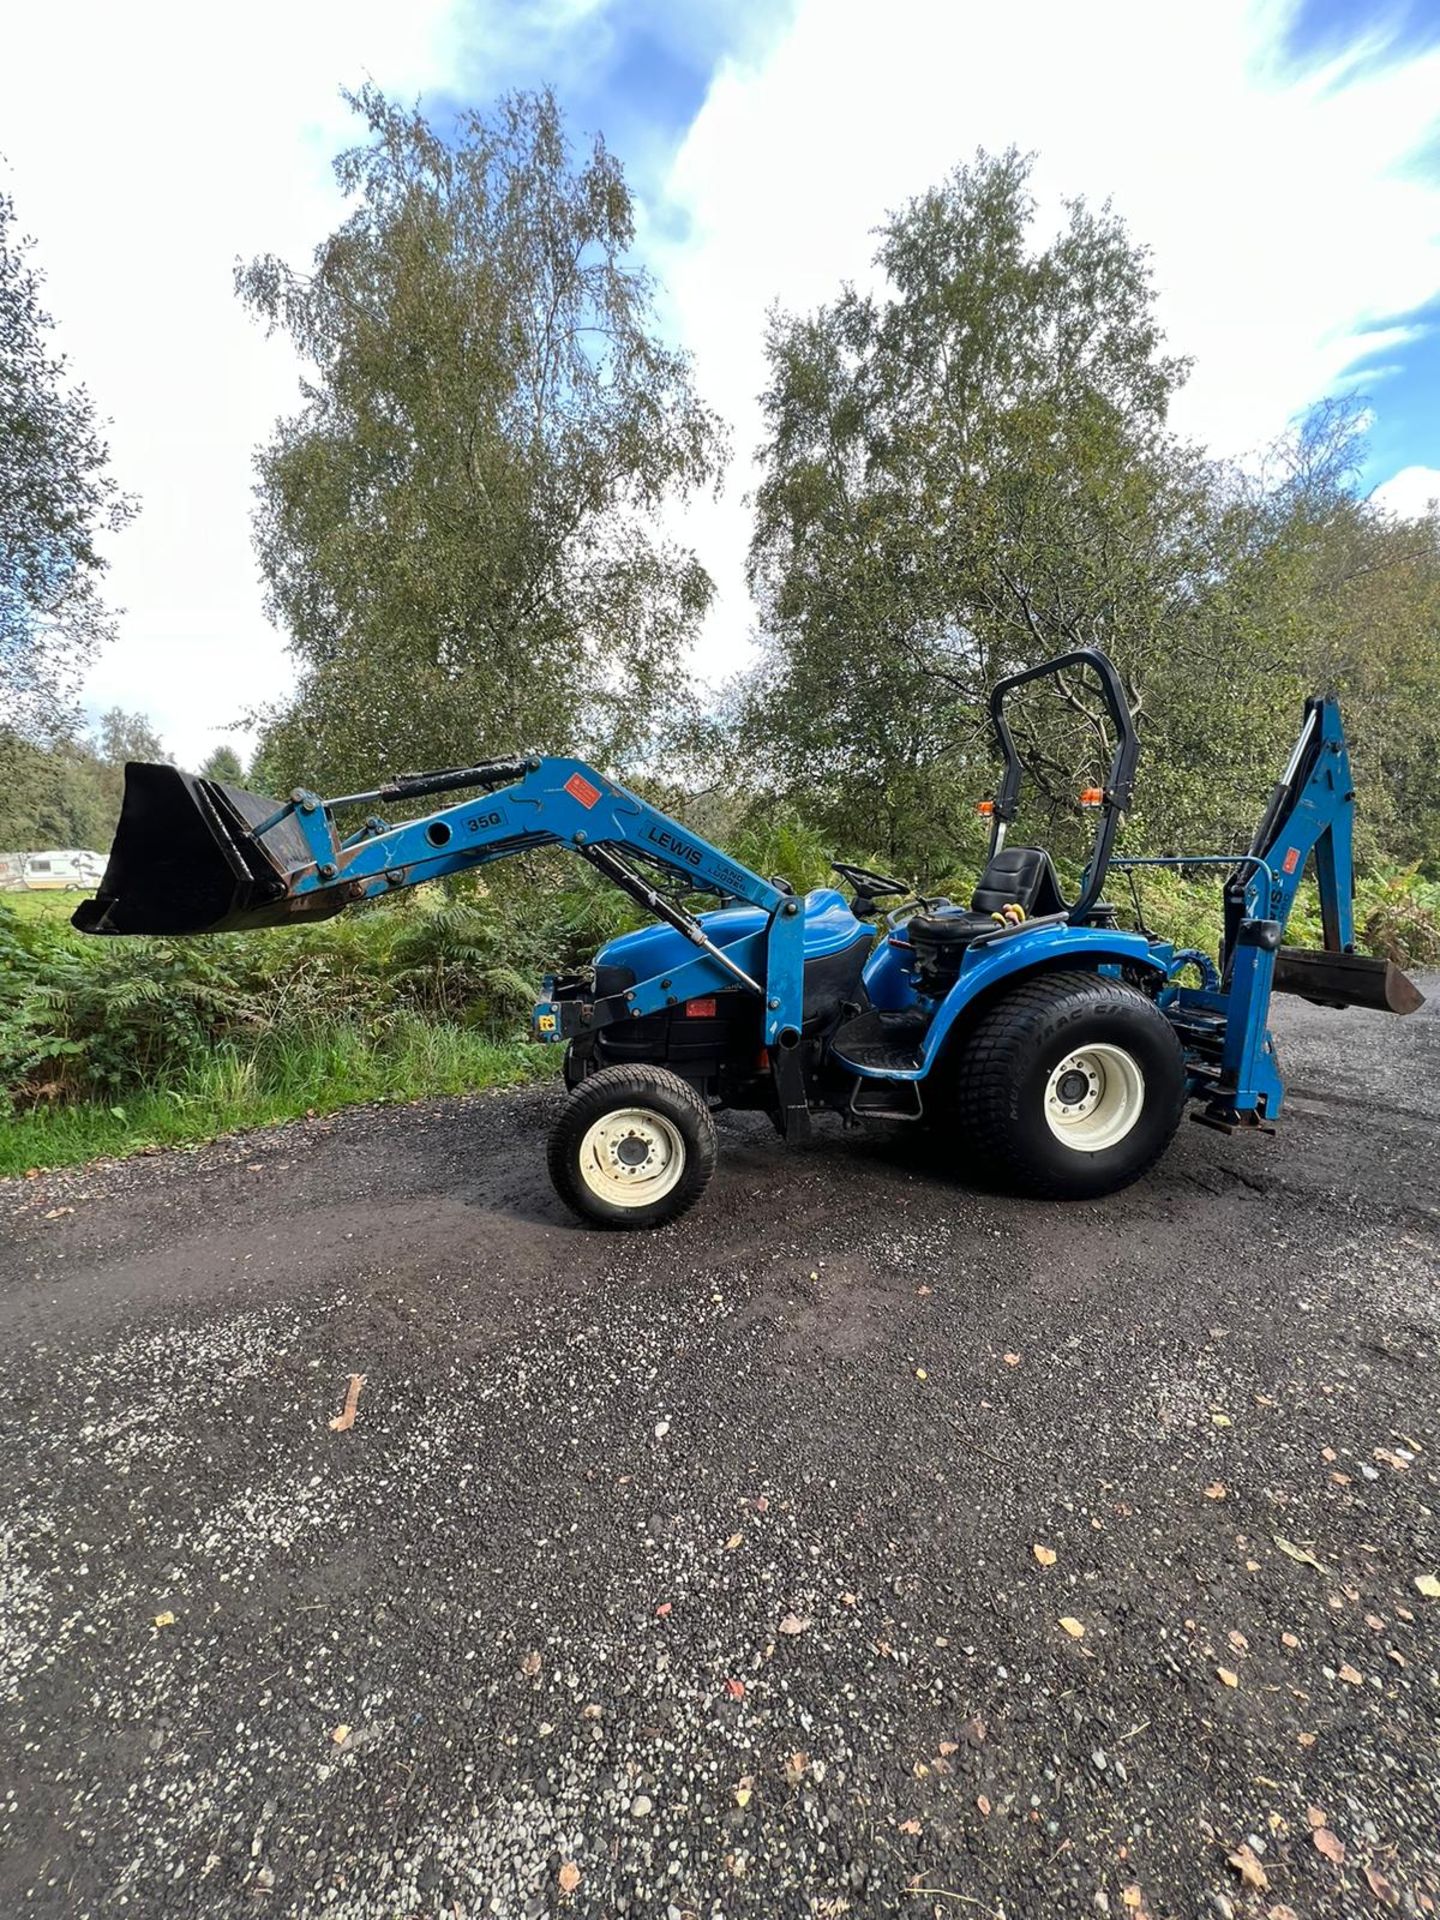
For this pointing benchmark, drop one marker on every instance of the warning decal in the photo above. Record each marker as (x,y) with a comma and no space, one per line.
(581,789)
(1292,859)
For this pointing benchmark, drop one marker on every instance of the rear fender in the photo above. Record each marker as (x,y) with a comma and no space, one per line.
(988,970)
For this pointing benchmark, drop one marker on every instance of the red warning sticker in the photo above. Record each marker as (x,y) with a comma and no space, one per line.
(582,790)
(1292,859)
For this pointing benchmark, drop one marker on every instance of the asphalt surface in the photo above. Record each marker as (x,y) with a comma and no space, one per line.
(696,1573)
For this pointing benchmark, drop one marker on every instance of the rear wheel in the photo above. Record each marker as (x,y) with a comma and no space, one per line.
(1071,1086)
(633,1147)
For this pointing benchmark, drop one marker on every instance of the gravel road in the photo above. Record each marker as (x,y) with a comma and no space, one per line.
(864,1544)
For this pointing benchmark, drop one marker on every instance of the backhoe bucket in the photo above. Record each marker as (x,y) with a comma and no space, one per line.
(1345,980)
(186,859)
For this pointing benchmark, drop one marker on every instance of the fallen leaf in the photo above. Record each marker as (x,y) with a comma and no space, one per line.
(1132,1897)
(975,1731)
(166,1619)
(792,1623)
(1248,1867)
(662,1612)
(569,1877)
(593,1712)
(922,1291)
(733,1542)
(1012,1359)
(920,1770)
(848,1600)
(1293,1552)
(1229,1679)
(735,1689)
(796,1768)
(1381,1888)
(1045,1555)
(1215,1490)
(910,1826)
(343,1422)
(1289,1640)
(1317,1817)
(1398,1658)
(947,1747)
(1427,1584)
(1328,1453)
(1330,1845)
(1221,1420)
(920,1374)
(1351,1677)
(1307,1739)
(1281,1912)
(762,1503)
(530,1665)
(984,1805)
(340,1734)
(744,1791)
(56,1213)
(1238,1640)
(1073,1627)
(1375,1623)
(1340,1479)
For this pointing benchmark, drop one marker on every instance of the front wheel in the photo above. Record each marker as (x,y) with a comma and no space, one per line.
(1071,1086)
(633,1147)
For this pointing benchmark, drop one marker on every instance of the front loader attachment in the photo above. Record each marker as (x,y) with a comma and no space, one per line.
(1345,980)
(187,859)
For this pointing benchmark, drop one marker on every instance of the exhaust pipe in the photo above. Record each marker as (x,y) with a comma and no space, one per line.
(187,859)
(1345,980)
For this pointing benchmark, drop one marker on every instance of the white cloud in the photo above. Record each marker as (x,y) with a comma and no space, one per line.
(1280,215)
(1411,492)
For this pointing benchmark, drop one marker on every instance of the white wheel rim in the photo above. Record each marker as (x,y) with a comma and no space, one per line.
(1094,1097)
(632,1157)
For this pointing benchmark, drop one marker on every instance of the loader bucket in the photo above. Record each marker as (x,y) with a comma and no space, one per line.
(186,860)
(1346,980)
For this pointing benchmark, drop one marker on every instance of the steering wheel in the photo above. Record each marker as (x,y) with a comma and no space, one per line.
(874,886)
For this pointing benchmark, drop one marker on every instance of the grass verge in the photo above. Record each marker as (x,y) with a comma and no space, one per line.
(284,1075)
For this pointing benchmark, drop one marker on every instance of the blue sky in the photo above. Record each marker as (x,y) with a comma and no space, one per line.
(1280,158)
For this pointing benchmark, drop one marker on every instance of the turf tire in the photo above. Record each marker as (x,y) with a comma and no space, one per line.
(1007,1066)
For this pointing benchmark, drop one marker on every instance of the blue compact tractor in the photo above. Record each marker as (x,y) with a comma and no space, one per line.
(1046,1046)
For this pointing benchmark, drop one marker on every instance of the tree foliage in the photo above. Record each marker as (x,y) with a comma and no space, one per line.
(224,764)
(971,470)
(56,501)
(66,791)
(460,527)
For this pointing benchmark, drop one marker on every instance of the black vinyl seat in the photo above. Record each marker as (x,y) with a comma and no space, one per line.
(1017,876)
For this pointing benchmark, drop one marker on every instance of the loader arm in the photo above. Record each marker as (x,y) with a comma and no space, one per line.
(197,856)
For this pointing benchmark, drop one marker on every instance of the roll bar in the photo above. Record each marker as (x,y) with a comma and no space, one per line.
(1118,782)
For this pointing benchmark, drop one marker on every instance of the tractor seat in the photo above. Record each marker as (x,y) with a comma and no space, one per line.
(1017,876)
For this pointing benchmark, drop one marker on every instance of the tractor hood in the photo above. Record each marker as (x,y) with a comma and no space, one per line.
(830,927)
